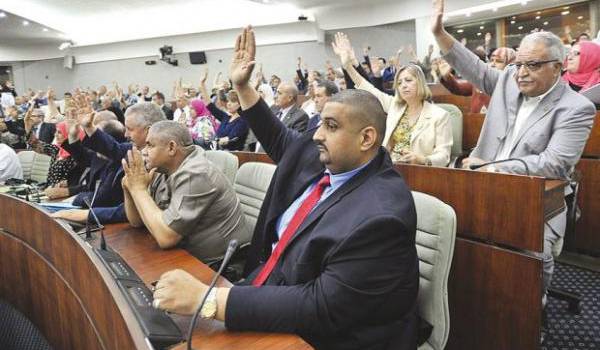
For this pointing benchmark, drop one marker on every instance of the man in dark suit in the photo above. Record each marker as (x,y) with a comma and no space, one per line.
(42,131)
(333,256)
(159,99)
(324,90)
(286,109)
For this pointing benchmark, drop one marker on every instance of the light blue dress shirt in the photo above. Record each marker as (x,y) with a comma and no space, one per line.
(336,181)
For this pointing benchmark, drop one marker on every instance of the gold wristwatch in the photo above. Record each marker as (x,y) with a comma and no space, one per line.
(209,310)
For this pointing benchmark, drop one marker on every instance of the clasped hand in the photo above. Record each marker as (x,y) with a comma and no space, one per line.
(137,177)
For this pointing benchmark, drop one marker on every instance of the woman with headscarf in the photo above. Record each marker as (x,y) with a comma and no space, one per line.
(201,124)
(583,66)
(64,173)
(499,59)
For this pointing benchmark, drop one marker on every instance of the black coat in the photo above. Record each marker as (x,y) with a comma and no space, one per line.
(349,277)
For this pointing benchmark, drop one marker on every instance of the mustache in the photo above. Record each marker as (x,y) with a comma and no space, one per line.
(320,144)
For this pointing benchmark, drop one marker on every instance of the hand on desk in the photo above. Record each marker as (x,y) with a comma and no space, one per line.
(77,215)
(179,292)
(467,162)
(56,192)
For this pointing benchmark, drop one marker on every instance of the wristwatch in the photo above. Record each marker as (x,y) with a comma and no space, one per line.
(209,310)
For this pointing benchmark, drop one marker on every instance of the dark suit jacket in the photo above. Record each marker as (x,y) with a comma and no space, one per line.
(349,277)
(168,112)
(295,119)
(107,172)
(313,122)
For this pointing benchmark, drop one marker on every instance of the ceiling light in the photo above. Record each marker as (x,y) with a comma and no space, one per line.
(514,17)
(45,29)
(25,23)
(2,14)
(495,9)
(460,31)
(512,22)
(65,45)
(538,13)
(564,13)
(520,27)
(468,14)
(566,8)
(546,23)
(580,17)
(537,17)
(481,27)
(478,34)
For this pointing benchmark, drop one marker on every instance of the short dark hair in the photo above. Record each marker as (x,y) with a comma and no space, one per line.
(159,95)
(68,94)
(330,87)
(366,109)
(382,59)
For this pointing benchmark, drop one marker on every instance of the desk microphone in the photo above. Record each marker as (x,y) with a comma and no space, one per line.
(233,244)
(477,166)
(102,239)
(88,231)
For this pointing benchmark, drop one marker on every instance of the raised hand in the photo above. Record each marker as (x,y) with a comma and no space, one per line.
(343,49)
(437,17)
(204,77)
(137,178)
(243,60)
(83,110)
(51,94)
(444,68)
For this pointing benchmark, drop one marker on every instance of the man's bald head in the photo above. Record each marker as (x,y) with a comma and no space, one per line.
(287,95)
(364,109)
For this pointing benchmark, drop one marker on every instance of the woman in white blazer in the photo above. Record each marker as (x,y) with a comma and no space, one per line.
(417,131)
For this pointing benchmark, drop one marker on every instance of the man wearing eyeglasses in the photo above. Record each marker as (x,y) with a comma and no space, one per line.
(183,200)
(533,115)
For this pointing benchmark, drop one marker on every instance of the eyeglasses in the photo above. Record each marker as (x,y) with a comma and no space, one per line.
(531,66)
(574,53)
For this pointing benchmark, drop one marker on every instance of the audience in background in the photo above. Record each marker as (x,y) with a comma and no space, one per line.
(323,91)
(417,132)
(201,124)
(499,59)
(159,99)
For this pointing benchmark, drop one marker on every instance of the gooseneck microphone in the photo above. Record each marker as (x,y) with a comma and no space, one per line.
(102,239)
(88,231)
(233,245)
(477,166)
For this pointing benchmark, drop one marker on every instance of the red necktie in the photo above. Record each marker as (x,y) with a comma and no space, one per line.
(307,206)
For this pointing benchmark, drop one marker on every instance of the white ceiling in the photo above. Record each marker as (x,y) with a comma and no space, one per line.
(90,22)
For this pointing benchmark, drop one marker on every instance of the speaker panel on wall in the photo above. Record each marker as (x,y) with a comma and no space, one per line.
(198,57)
(68,61)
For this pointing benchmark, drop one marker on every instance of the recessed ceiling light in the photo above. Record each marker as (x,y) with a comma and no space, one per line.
(537,17)
(25,23)
(2,14)
(538,13)
(468,14)
(460,31)
(45,29)
(520,27)
(566,8)
(512,22)
(546,23)
(495,9)
(514,17)
(478,34)
(564,13)
(481,27)
(580,17)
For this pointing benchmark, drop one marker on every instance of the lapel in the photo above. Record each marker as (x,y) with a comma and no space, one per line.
(421,122)
(289,114)
(540,111)
(336,196)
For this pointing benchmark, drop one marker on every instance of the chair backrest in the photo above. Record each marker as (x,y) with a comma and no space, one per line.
(436,231)
(35,166)
(456,120)
(251,185)
(225,161)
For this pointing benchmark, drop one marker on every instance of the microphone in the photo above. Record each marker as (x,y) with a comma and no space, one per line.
(102,239)
(88,232)
(477,166)
(233,245)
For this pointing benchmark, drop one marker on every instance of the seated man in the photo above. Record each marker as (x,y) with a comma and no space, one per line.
(533,116)
(138,120)
(190,202)
(323,91)
(336,230)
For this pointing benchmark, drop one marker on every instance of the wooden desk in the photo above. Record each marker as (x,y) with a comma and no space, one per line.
(495,283)
(56,280)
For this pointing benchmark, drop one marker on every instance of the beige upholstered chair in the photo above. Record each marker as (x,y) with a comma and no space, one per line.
(436,231)
(35,166)
(251,185)
(225,161)
(456,120)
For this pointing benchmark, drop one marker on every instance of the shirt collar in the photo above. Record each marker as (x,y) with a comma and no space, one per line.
(337,180)
(286,110)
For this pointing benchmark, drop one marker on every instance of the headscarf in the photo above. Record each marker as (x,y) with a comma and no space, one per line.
(64,129)
(202,111)
(587,74)
(507,54)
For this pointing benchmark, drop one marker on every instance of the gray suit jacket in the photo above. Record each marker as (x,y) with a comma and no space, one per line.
(295,119)
(552,138)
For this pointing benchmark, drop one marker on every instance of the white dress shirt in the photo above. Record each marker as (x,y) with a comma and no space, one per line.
(10,166)
(527,107)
